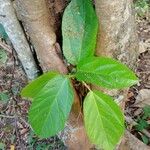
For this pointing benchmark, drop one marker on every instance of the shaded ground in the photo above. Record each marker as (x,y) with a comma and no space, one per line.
(138,105)
(16,133)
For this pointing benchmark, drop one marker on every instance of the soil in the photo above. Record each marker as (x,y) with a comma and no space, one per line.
(134,106)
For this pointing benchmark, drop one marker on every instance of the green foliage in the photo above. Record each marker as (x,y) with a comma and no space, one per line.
(146,111)
(145,139)
(2,146)
(79,29)
(3,57)
(104,121)
(105,72)
(52,101)
(52,93)
(4,97)
(142,124)
(142,121)
(142,6)
(3,34)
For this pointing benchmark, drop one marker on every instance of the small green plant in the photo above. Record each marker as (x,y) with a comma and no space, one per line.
(52,93)
(141,7)
(4,97)
(2,146)
(3,57)
(143,124)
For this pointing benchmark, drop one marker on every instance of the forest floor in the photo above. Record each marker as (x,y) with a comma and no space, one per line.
(16,133)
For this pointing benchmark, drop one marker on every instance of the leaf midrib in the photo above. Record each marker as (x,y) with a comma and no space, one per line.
(103,76)
(54,101)
(99,116)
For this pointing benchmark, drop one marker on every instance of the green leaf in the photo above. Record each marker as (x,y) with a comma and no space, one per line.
(104,121)
(2,146)
(3,34)
(142,124)
(3,56)
(141,7)
(79,29)
(146,110)
(4,97)
(105,72)
(52,96)
(145,139)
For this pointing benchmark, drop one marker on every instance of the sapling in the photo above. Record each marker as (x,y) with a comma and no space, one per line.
(52,93)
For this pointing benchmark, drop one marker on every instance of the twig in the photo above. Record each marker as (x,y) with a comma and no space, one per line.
(131,121)
(5,47)
(23,120)
(5,116)
(87,86)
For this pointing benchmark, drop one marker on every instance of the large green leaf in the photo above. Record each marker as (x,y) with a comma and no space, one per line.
(104,121)
(79,29)
(52,96)
(105,72)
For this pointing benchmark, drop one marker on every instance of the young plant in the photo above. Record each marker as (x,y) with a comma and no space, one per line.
(143,124)
(141,7)
(52,93)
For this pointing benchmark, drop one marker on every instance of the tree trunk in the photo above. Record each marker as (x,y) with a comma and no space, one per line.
(117,37)
(39,24)
(117,33)
(11,24)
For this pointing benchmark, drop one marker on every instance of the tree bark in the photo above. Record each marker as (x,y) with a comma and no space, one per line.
(117,33)
(10,22)
(39,24)
(117,37)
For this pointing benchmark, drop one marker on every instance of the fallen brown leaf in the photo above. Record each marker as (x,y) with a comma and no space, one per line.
(143,98)
(12,147)
(130,142)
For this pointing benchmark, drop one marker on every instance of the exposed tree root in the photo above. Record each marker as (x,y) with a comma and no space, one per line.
(39,24)
(37,20)
(17,38)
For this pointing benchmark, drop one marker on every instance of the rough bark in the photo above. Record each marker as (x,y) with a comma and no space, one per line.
(39,24)
(10,22)
(74,135)
(130,142)
(117,33)
(117,37)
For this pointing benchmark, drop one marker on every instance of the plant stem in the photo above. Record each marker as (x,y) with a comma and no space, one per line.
(87,86)
(71,75)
